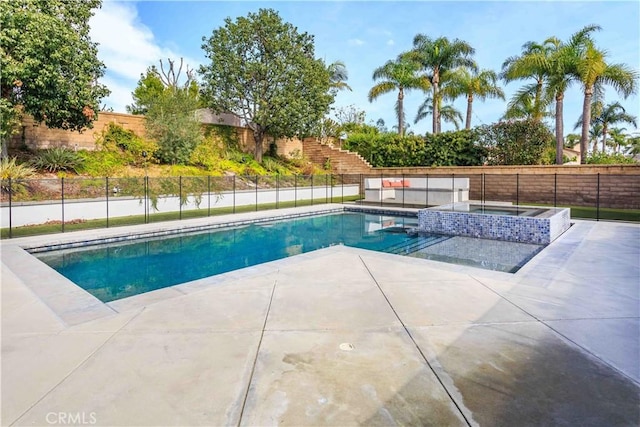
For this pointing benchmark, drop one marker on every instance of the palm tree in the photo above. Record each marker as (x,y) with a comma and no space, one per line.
(400,75)
(618,139)
(633,146)
(611,114)
(436,57)
(595,132)
(524,106)
(603,116)
(338,76)
(592,70)
(446,112)
(559,77)
(533,63)
(571,140)
(482,84)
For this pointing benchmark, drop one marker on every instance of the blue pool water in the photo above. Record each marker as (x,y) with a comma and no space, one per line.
(119,270)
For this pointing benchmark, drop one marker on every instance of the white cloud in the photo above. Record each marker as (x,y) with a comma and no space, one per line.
(127,47)
(355,42)
(390,42)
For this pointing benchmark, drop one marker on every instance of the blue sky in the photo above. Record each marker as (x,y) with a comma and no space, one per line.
(366,34)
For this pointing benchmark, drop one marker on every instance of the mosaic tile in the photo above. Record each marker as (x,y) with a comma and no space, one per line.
(542,229)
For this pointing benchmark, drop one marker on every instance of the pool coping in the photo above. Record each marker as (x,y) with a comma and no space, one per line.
(74,305)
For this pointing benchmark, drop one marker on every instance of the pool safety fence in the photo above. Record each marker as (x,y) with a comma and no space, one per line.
(40,206)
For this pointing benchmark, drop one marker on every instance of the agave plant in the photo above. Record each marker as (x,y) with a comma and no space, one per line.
(57,160)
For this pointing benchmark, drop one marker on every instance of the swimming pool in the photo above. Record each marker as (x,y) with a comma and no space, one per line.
(118,270)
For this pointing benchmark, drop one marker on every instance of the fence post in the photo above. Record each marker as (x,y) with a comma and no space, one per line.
(517,189)
(295,190)
(62,188)
(403,188)
(555,190)
(106,186)
(342,188)
(256,193)
(312,190)
(482,189)
(10,210)
(146,200)
(331,187)
(453,190)
(598,199)
(277,191)
(208,195)
(326,188)
(426,187)
(381,187)
(234,194)
(180,195)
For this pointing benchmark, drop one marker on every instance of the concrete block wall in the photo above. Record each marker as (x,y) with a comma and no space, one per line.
(38,136)
(618,186)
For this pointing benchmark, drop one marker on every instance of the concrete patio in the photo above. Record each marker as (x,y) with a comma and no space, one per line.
(339,336)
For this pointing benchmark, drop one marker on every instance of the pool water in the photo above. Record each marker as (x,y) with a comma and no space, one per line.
(120,270)
(501,210)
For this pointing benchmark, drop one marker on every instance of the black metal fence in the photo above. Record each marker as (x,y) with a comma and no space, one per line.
(42,206)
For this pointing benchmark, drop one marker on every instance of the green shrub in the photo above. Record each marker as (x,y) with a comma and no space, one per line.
(392,150)
(274,166)
(223,136)
(171,122)
(9,169)
(102,163)
(57,160)
(600,158)
(206,154)
(131,147)
(514,142)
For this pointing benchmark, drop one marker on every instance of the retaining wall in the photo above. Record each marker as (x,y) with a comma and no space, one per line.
(614,186)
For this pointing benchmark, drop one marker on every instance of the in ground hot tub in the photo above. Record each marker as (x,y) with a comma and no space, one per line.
(527,224)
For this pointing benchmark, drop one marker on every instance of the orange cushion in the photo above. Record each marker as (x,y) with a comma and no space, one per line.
(396,184)
(405,183)
(386,183)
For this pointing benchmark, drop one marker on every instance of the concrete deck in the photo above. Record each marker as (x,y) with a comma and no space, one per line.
(340,336)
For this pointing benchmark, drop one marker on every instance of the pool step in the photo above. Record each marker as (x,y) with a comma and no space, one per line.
(416,244)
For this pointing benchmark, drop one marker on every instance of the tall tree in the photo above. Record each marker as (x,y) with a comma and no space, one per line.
(481,84)
(618,139)
(592,70)
(533,63)
(595,132)
(611,114)
(400,75)
(607,115)
(49,64)
(633,148)
(559,65)
(169,103)
(265,72)
(436,56)
(156,81)
(338,76)
(149,87)
(445,112)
